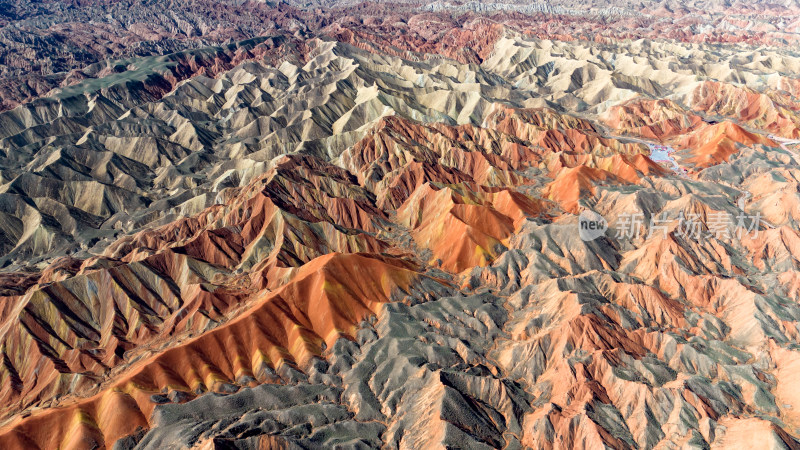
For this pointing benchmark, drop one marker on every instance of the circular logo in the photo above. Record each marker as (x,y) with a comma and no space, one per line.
(591,225)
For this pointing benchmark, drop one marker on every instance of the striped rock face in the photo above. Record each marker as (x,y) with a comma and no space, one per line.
(429,225)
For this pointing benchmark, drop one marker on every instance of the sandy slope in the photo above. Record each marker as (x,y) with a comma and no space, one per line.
(365,241)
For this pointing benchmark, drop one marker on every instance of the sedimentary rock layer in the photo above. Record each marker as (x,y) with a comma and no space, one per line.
(367,233)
